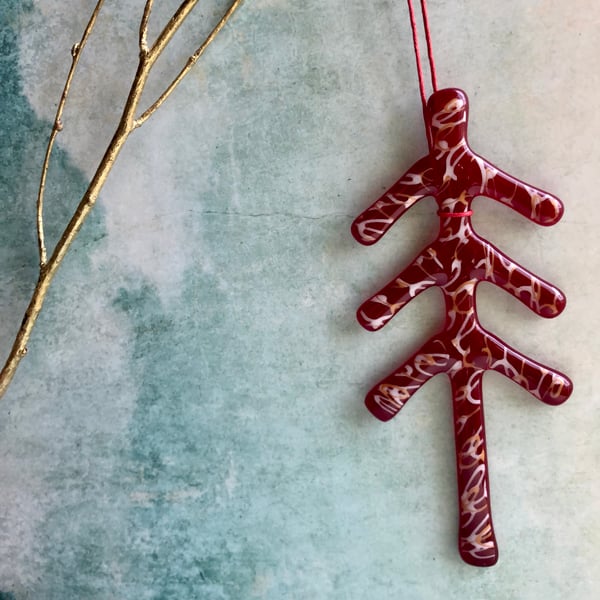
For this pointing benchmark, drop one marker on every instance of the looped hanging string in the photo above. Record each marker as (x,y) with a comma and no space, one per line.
(413,24)
(429,46)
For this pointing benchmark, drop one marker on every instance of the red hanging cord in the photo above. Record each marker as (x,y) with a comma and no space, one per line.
(413,24)
(429,47)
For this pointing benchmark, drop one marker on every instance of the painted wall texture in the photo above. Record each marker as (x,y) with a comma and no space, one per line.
(188,423)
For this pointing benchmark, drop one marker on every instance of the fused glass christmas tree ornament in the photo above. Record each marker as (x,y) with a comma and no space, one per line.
(456,262)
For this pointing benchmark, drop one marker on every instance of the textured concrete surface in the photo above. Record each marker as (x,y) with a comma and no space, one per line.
(188,423)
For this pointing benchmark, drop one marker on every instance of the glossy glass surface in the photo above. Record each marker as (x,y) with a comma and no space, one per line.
(456,262)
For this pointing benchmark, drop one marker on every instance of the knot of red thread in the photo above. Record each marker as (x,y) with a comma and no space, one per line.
(467,213)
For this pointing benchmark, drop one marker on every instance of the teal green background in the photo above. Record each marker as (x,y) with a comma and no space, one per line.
(188,422)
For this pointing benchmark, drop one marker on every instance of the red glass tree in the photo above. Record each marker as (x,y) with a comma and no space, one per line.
(456,262)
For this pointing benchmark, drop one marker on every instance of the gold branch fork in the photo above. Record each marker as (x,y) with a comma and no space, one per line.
(148,54)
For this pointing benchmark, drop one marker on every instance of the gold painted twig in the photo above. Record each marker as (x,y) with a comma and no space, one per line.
(192,60)
(171,27)
(144,26)
(126,125)
(57,127)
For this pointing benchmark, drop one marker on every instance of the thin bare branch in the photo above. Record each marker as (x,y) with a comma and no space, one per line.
(144,27)
(192,60)
(127,124)
(185,8)
(57,127)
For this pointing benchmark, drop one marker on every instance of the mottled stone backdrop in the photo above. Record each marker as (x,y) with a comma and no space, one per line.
(188,423)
